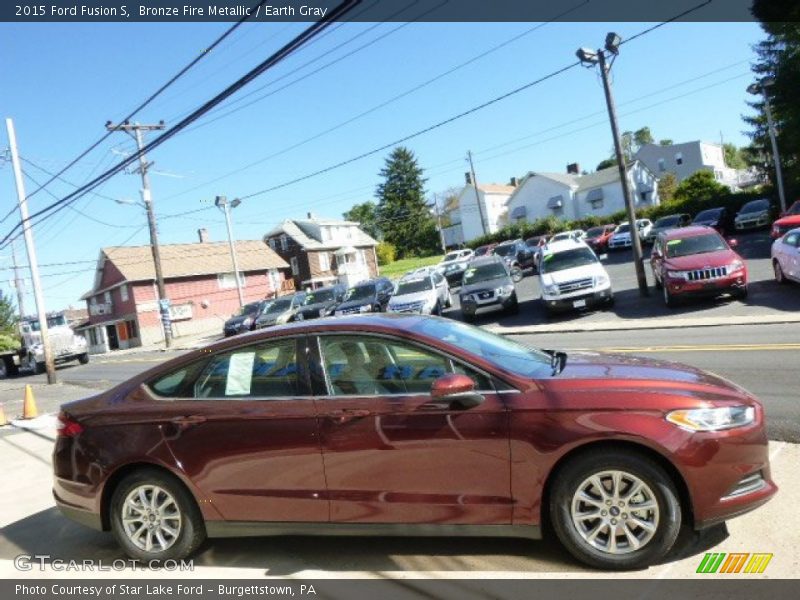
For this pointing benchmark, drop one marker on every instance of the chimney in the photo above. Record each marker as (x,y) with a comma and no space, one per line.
(513,182)
(468,178)
(574,169)
(310,216)
(203,235)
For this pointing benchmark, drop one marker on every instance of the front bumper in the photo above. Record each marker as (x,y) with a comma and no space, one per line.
(580,301)
(623,243)
(714,287)
(471,306)
(752,223)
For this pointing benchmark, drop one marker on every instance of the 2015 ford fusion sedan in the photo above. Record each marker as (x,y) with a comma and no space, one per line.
(389,424)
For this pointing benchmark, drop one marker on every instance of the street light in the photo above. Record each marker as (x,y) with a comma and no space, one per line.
(222,203)
(590,58)
(761,88)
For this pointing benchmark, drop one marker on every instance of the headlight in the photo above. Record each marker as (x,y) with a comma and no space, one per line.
(735,266)
(675,275)
(712,419)
(80,340)
(601,280)
(323,312)
(284,318)
(506,290)
(551,290)
(365,308)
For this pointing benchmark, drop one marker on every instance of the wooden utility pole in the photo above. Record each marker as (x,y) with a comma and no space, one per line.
(477,192)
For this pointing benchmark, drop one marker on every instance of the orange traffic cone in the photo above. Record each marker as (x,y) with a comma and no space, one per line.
(29,410)
(3,420)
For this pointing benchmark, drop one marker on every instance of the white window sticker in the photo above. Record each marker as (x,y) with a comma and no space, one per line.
(240,374)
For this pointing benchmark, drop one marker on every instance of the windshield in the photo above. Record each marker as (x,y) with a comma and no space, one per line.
(794,210)
(534,241)
(505,250)
(499,351)
(667,221)
(412,286)
(595,232)
(451,268)
(624,228)
(569,259)
(249,309)
(320,296)
(58,321)
(481,251)
(279,306)
(755,206)
(484,273)
(712,214)
(362,292)
(451,256)
(699,244)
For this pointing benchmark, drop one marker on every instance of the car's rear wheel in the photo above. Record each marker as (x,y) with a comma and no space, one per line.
(776,267)
(154,517)
(615,510)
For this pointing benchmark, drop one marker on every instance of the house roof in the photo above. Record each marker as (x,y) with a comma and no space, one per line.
(302,232)
(496,188)
(186,260)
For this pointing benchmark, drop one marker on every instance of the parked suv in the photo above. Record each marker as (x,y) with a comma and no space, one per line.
(460,257)
(665,223)
(697,261)
(719,218)
(246,319)
(368,296)
(754,215)
(621,237)
(487,284)
(786,257)
(571,277)
(517,256)
(321,302)
(597,237)
(281,310)
(788,221)
(421,294)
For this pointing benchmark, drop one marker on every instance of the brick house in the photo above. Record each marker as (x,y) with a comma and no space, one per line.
(200,284)
(324,251)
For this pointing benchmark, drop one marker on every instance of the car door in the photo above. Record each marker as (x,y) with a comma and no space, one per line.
(441,287)
(790,256)
(243,428)
(392,453)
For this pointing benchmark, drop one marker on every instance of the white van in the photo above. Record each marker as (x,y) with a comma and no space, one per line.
(571,277)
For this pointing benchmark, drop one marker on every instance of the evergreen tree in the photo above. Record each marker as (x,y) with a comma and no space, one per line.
(8,322)
(367,216)
(404,216)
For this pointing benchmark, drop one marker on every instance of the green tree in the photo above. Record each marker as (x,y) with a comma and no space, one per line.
(642,136)
(8,323)
(665,142)
(667,186)
(366,214)
(403,214)
(733,156)
(700,186)
(605,164)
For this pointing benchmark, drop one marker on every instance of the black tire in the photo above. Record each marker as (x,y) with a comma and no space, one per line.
(669,299)
(779,276)
(437,310)
(468,318)
(192,531)
(516,274)
(576,472)
(37,368)
(513,308)
(657,281)
(610,302)
(741,294)
(84,359)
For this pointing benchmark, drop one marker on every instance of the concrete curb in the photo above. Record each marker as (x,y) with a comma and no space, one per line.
(659,323)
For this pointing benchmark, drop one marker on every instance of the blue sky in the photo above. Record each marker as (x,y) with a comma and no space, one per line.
(62,82)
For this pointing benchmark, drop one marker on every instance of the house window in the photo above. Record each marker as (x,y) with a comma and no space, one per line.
(679,158)
(362,258)
(295,266)
(324,261)
(131,327)
(107,297)
(228,280)
(123,293)
(662,166)
(643,196)
(284,243)
(92,337)
(273,244)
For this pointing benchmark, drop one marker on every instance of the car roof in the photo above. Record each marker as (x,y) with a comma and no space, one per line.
(486,260)
(509,242)
(685,232)
(562,245)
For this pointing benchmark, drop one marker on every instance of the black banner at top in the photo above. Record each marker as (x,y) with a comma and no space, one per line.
(271,11)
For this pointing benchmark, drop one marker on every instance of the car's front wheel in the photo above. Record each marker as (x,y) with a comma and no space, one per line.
(776,267)
(615,510)
(154,518)
(669,299)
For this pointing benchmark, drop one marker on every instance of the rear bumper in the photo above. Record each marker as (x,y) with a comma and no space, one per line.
(75,506)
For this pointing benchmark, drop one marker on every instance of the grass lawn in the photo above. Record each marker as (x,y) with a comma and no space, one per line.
(400,267)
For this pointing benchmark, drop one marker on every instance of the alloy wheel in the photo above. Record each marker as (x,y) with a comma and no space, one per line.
(615,512)
(151,518)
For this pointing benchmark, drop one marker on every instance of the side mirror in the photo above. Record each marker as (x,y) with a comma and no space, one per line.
(733,242)
(459,389)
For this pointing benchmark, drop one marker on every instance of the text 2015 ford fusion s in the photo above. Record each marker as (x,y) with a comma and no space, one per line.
(388,424)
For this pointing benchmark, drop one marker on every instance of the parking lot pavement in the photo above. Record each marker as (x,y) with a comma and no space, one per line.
(767,301)
(31,525)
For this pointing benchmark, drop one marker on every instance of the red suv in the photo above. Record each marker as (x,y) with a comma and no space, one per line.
(697,261)
(597,237)
(411,425)
(789,220)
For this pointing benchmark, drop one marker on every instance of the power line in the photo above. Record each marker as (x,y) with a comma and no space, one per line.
(153,96)
(275,58)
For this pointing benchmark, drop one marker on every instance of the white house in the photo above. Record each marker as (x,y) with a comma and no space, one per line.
(467,221)
(571,196)
(688,158)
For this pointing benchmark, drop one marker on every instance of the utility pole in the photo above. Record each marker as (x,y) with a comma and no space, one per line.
(477,192)
(439,222)
(761,87)
(590,57)
(222,203)
(18,282)
(135,131)
(31,248)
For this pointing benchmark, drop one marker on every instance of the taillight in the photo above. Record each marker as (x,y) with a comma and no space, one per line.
(67,426)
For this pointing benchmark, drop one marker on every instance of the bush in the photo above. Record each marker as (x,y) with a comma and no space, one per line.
(386,253)
(8,342)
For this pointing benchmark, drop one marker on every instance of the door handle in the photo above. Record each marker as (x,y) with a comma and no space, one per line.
(187,421)
(349,414)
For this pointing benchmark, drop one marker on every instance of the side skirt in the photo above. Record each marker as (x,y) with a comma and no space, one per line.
(219,529)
